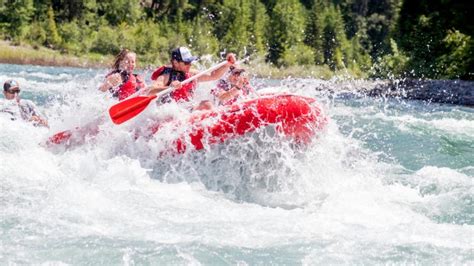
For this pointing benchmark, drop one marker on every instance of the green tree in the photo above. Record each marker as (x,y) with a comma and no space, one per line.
(172,10)
(314,31)
(392,65)
(356,57)
(422,33)
(202,41)
(381,25)
(334,38)
(107,41)
(89,16)
(149,42)
(458,61)
(71,36)
(299,54)
(237,15)
(40,13)
(18,14)
(258,23)
(52,36)
(120,11)
(287,25)
(36,34)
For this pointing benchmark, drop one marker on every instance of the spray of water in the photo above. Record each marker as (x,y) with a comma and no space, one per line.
(363,191)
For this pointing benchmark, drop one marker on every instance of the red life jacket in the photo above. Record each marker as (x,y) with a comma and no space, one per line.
(129,87)
(185,92)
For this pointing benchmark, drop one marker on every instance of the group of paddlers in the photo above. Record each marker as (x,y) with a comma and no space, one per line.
(123,83)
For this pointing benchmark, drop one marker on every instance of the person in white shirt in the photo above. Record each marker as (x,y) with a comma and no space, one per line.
(16,108)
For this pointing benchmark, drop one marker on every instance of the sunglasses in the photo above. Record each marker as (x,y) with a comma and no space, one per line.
(186,63)
(13,91)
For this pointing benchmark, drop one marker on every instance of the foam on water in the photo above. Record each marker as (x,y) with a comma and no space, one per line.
(348,198)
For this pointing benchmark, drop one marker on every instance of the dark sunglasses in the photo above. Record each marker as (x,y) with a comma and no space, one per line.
(187,63)
(13,91)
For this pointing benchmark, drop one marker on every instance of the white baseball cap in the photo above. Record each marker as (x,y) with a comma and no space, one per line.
(183,54)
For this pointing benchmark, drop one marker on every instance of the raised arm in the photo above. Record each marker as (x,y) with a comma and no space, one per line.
(111,81)
(216,74)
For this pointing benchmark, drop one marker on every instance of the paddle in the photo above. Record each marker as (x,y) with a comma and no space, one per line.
(129,108)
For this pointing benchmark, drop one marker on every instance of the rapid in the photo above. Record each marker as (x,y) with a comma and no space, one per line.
(388,181)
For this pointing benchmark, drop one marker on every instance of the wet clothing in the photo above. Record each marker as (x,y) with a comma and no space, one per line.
(224,86)
(184,93)
(23,109)
(131,83)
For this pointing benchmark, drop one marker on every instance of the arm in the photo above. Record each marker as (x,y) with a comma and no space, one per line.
(29,112)
(228,95)
(216,74)
(38,121)
(111,81)
(158,85)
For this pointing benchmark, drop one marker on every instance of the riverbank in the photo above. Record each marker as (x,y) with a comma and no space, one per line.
(458,92)
(29,55)
(442,91)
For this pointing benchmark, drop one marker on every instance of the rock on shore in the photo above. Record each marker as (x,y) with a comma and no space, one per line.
(440,91)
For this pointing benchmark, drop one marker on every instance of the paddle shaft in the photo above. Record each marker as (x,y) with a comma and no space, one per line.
(200,74)
(191,79)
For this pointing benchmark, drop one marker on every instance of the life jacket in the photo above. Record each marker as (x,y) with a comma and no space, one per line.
(130,85)
(185,92)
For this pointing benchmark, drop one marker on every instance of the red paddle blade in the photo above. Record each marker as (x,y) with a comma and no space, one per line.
(129,108)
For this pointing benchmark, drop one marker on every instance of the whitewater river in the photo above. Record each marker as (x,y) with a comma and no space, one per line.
(387,182)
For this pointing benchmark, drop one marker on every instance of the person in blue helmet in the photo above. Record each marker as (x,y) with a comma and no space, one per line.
(16,108)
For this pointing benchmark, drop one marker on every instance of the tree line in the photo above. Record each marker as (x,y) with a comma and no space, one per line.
(383,38)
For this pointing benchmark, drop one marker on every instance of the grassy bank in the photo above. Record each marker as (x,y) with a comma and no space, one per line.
(26,54)
(264,70)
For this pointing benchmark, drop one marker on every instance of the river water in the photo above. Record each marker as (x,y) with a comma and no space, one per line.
(386,182)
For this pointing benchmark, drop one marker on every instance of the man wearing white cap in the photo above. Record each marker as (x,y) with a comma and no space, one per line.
(15,108)
(180,69)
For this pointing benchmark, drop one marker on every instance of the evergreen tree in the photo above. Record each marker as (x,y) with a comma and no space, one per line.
(287,26)
(334,38)
(41,7)
(171,10)
(90,14)
(52,36)
(381,23)
(236,35)
(258,23)
(71,37)
(120,11)
(18,14)
(424,26)
(432,37)
(314,29)
(202,41)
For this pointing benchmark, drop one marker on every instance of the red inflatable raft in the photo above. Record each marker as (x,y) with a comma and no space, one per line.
(296,117)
